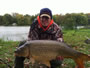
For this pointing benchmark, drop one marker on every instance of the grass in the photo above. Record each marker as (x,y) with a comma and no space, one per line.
(6,52)
(72,38)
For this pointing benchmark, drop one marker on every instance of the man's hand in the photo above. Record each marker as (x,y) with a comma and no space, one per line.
(60,58)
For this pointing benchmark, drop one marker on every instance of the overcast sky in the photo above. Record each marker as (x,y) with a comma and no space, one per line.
(33,7)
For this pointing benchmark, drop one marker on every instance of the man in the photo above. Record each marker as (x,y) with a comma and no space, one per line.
(43,28)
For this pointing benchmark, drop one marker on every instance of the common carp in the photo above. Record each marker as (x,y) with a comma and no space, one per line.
(45,50)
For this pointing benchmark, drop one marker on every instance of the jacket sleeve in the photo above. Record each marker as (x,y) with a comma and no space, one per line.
(33,32)
(59,34)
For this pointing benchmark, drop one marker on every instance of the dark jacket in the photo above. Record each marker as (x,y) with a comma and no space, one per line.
(37,33)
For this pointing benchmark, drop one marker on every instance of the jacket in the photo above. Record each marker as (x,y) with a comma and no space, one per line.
(37,33)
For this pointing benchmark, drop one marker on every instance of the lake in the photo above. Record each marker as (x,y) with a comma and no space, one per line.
(14,33)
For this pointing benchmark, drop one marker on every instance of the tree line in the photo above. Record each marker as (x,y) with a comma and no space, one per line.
(70,21)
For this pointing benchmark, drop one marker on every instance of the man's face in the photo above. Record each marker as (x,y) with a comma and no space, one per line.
(45,20)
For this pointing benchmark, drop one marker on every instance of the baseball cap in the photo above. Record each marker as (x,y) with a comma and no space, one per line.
(46,12)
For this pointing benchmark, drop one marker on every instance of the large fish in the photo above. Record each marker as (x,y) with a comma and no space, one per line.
(45,50)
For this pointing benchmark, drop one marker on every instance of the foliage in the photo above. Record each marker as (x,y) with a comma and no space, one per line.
(68,21)
(7,19)
(71,21)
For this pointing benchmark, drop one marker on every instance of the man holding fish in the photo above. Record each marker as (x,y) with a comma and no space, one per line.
(43,28)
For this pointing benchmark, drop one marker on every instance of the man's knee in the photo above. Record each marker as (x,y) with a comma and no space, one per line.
(19,62)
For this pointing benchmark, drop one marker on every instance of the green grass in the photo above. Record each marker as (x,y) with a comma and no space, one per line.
(72,38)
(7,52)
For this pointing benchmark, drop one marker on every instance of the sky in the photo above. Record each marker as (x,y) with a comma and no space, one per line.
(33,7)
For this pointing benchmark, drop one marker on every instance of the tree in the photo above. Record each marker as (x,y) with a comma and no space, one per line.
(1,20)
(88,15)
(71,21)
(7,19)
(58,19)
(68,21)
(81,19)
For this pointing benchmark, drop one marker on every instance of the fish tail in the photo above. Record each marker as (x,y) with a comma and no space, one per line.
(84,57)
(80,60)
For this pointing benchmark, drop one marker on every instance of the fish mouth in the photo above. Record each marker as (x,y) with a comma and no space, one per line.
(16,53)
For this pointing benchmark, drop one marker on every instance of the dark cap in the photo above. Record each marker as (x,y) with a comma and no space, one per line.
(46,12)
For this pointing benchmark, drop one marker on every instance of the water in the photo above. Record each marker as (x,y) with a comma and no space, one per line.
(14,33)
